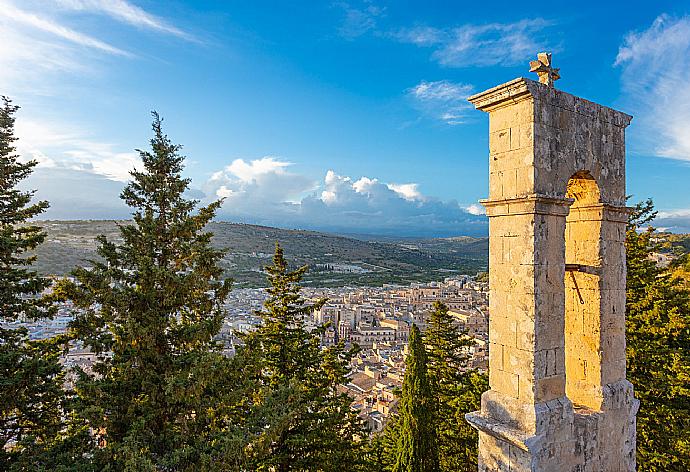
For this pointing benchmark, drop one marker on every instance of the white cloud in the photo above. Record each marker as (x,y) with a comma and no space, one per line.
(442,99)
(365,185)
(38,47)
(475,209)
(442,90)
(272,195)
(655,64)
(250,171)
(65,147)
(665,214)
(407,191)
(17,16)
(224,192)
(125,12)
(489,44)
(421,35)
(26,60)
(257,184)
(359,20)
(266,191)
(32,60)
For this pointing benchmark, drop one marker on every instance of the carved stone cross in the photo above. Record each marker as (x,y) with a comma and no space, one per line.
(542,66)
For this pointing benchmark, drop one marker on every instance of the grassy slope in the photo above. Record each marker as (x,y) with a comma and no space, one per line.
(71,243)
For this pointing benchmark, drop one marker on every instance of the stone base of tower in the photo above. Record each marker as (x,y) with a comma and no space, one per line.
(519,437)
(606,439)
(554,436)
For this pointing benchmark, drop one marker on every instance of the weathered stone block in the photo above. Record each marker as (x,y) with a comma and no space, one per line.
(499,141)
(549,388)
(504,382)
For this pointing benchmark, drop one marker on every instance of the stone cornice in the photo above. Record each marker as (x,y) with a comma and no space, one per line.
(502,95)
(532,204)
(521,89)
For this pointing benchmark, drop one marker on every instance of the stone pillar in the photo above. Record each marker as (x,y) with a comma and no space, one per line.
(559,400)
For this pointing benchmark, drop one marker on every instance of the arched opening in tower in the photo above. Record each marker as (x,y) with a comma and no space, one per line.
(583,292)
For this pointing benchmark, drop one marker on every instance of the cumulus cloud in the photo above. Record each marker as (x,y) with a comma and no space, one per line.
(265,191)
(263,187)
(268,191)
(475,209)
(488,44)
(407,191)
(655,64)
(442,99)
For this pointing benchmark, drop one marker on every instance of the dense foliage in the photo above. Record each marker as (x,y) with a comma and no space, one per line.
(457,389)
(658,350)
(150,310)
(301,420)
(31,396)
(417,446)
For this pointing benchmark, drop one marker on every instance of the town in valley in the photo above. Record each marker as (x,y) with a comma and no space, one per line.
(377,319)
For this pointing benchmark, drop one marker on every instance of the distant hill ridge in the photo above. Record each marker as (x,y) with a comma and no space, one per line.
(334,259)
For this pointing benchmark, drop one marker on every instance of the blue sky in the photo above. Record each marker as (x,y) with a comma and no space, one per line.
(340,116)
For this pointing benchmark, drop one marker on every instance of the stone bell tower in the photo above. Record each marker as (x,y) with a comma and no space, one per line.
(559,399)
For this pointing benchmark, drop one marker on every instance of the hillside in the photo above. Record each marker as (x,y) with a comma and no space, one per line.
(334,260)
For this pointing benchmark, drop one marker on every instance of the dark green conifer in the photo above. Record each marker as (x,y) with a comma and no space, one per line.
(456,387)
(150,308)
(31,394)
(658,350)
(382,450)
(417,449)
(302,418)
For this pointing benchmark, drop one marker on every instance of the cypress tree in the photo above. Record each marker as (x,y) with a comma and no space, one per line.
(382,450)
(31,394)
(150,308)
(658,350)
(456,390)
(302,420)
(417,449)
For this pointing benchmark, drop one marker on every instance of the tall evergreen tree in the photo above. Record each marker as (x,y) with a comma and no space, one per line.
(150,308)
(302,419)
(417,449)
(658,350)
(382,449)
(31,395)
(456,389)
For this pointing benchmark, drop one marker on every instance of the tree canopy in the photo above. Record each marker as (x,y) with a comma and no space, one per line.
(417,449)
(150,307)
(302,418)
(31,395)
(658,349)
